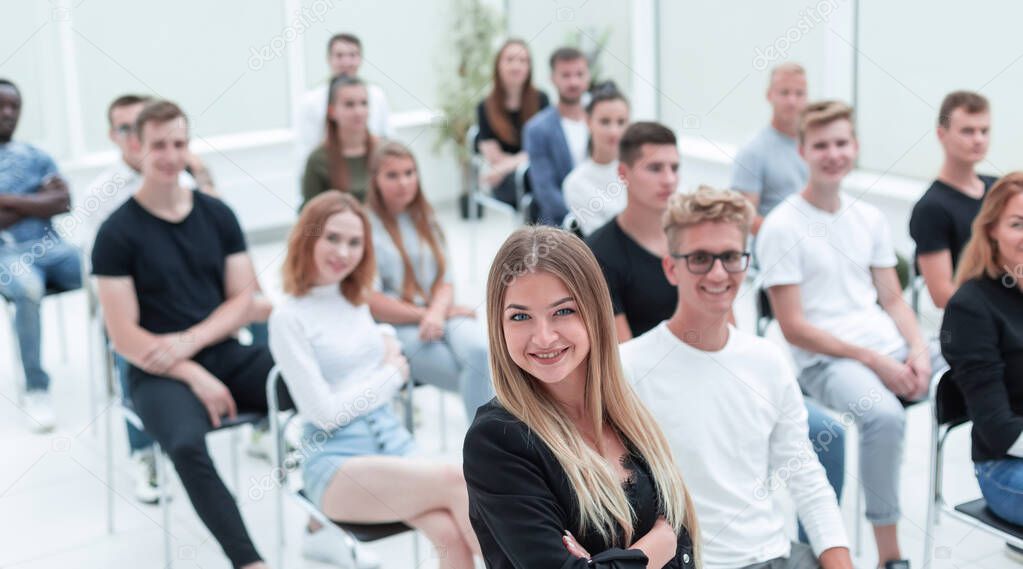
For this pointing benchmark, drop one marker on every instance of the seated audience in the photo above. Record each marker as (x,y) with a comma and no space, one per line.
(982,339)
(341,162)
(940,223)
(696,373)
(444,342)
(555,138)
(512,101)
(343,370)
(769,168)
(106,193)
(176,283)
(593,191)
(33,257)
(344,57)
(565,467)
(630,247)
(829,269)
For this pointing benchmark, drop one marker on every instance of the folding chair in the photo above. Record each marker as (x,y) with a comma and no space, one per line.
(352,532)
(949,414)
(480,196)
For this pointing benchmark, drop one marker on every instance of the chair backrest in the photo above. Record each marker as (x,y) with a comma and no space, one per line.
(949,405)
(764,304)
(470,139)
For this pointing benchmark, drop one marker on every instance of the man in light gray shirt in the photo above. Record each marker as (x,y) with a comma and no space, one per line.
(769,169)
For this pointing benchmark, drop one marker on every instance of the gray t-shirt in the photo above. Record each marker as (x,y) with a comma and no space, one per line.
(391,271)
(770,166)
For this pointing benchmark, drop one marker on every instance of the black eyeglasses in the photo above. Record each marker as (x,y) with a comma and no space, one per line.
(701,262)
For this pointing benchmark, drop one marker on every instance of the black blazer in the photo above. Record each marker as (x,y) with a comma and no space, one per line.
(520,502)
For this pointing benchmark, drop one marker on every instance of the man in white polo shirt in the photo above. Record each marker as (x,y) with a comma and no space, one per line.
(829,268)
(729,403)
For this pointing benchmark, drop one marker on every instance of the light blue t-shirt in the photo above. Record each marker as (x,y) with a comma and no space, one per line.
(770,166)
(23,168)
(391,271)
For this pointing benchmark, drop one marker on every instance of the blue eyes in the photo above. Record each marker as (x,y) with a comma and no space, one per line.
(522,316)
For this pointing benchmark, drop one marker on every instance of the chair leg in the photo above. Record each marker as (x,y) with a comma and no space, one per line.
(443,422)
(20,380)
(162,482)
(859,517)
(235,475)
(109,438)
(63,329)
(932,494)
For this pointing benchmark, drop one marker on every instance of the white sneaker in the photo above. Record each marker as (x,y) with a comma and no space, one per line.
(329,545)
(40,408)
(260,444)
(143,470)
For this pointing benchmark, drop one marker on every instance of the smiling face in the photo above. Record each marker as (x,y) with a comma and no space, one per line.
(711,294)
(344,58)
(543,329)
(398,182)
(1008,234)
(339,248)
(164,148)
(830,151)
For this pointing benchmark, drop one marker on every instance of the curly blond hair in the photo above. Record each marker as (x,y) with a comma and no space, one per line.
(706,204)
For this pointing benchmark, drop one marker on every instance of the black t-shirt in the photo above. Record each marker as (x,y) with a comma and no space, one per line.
(635,278)
(982,341)
(941,219)
(487,132)
(177,268)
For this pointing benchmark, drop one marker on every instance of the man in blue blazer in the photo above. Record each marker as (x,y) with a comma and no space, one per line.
(556,138)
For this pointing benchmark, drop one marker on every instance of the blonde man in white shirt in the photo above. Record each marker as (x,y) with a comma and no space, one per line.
(344,56)
(829,269)
(729,402)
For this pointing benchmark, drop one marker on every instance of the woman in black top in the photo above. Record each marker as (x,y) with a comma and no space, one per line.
(565,467)
(982,340)
(512,101)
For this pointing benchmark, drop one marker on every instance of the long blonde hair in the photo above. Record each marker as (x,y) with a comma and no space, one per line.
(422,216)
(980,256)
(608,398)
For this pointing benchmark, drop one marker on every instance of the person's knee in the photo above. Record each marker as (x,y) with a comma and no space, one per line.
(452,480)
(187,450)
(886,419)
(444,533)
(21,286)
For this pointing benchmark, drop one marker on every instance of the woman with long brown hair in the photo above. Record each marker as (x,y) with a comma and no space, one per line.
(342,161)
(444,342)
(566,468)
(982,340)
(342,370)
(501,115)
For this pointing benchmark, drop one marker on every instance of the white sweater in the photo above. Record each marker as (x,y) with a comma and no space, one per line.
(736,423)
(594,193)
(331,356)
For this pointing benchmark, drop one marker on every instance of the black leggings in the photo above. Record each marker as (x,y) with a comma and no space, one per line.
(173,416)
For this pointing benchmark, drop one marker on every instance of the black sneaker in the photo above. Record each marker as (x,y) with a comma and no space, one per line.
(897,564)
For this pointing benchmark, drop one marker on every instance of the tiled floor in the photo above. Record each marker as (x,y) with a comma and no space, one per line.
(53,489)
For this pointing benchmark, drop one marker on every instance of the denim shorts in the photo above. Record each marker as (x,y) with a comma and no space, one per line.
(1001,483)
(378,432)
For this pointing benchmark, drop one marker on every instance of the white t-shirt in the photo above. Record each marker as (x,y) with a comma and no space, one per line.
(106,193)
(594,193)
(310,120)
(736,423)
(577,134)
(829,255)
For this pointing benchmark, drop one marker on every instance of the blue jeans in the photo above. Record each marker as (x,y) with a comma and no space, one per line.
(1001,482)
(828,438)
(26,271)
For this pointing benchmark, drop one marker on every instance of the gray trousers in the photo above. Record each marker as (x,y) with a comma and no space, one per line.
(801,557)
(457,362)
(853,390)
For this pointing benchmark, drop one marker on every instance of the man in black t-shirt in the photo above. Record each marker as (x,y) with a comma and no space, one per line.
(940,223)
(176,283)
(630,247)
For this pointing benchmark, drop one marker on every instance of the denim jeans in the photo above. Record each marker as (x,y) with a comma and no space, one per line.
(26,270)
(828,438)
(1001,482)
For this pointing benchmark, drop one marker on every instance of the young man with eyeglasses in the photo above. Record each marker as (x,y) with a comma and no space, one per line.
(829,268)
(697,374)
(122,179)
